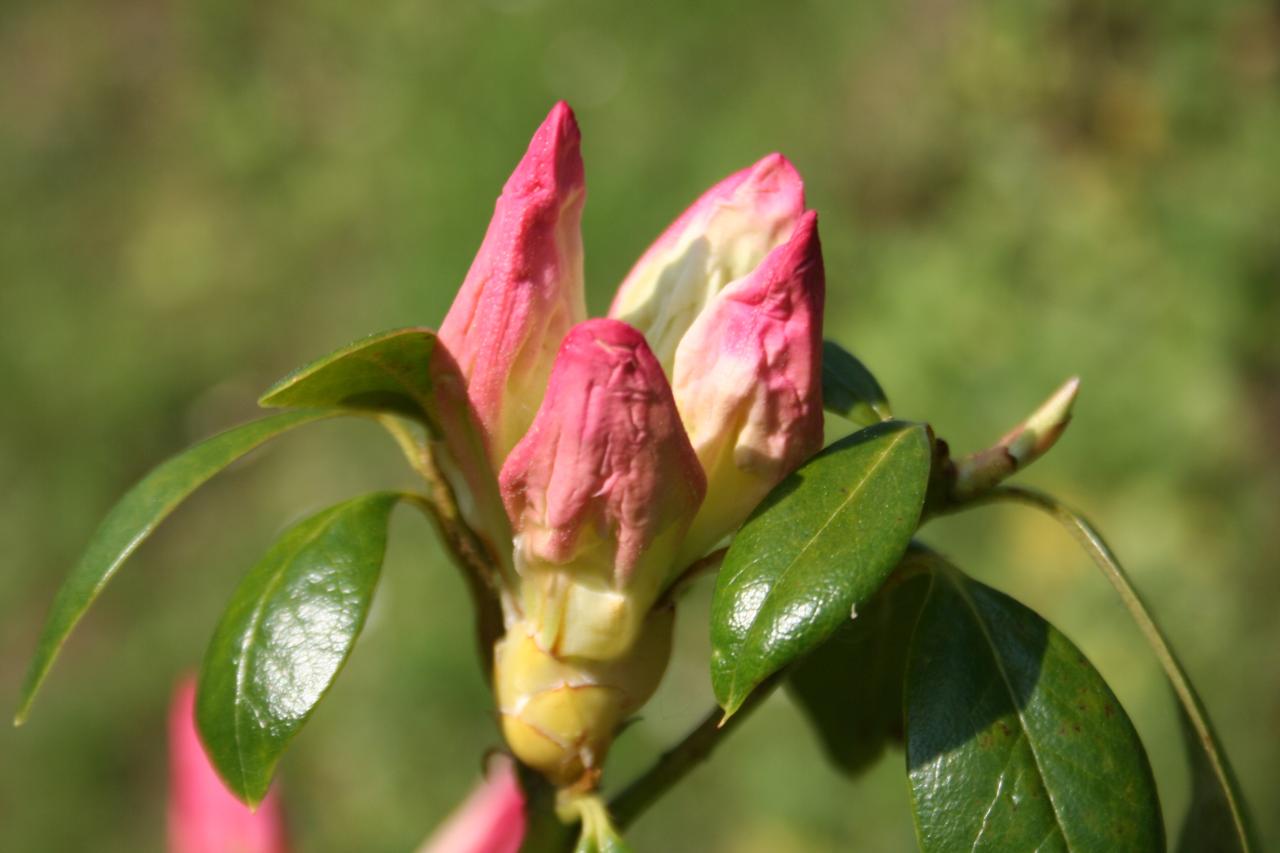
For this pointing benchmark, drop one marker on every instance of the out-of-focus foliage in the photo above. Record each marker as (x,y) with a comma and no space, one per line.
(196,197)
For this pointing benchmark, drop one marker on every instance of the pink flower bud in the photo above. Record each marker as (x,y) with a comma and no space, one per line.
(203,816)
(722,237)
(490,820)
(748,383)
(600,492)
(524,289)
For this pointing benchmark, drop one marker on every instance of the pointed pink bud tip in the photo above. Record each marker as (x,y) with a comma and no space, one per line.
(748,382)
(490,820)
(606,464)
(203,815)
(722,237)
(524,289)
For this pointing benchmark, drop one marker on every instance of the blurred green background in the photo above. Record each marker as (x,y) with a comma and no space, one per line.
(196,197)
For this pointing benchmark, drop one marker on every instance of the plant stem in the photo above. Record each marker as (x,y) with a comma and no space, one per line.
(674,764)
(1105,559)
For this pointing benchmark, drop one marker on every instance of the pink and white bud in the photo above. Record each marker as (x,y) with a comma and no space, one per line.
(524,289)
(748,383)
(600,493)
(490,820)
(204,817)
(722,237)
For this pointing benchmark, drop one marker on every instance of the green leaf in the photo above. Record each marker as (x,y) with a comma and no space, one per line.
(1014,741)
(850,687)
(849,389)
(284,636)
(388,372)
(131,521)
(1216,793)
(819,546)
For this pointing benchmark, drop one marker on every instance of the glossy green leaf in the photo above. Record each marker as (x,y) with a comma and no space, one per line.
(1217,799)
(388,372)
(284,636)
(819,546)
(131,521)
(849,389)
(850,687)
(1014,741)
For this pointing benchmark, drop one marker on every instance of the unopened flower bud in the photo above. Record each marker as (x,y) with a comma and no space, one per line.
(1019,447)
(748,383)
(524,289)
(722,237)
(600,493)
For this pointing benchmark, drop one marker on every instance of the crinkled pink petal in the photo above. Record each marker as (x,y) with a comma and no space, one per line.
(748,382)
(203,815)
(524,289)
(606,455)
(722,237)
(490,820)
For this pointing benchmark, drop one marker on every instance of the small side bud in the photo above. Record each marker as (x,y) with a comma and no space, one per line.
(1019,447)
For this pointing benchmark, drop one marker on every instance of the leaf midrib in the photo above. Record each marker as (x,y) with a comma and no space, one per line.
(752,633)
(255,620)
(963,595)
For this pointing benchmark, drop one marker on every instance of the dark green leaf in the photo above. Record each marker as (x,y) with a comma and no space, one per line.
(850,687)
(849,389)
(131,521)
(387,372)
(1014,741)
(820,545)
(1215,788)
(285,635)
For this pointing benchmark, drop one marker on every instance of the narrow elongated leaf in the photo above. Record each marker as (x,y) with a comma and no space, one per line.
(1209,825)
(131,521)
(285,635)
(387,372)
(1014,741)
(850,687)
(819,546)
(849,389)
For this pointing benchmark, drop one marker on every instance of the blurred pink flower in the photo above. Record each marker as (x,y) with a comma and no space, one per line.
(203,815)
(490,820)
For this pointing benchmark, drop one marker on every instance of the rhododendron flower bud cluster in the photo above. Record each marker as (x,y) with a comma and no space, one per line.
(625,448)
